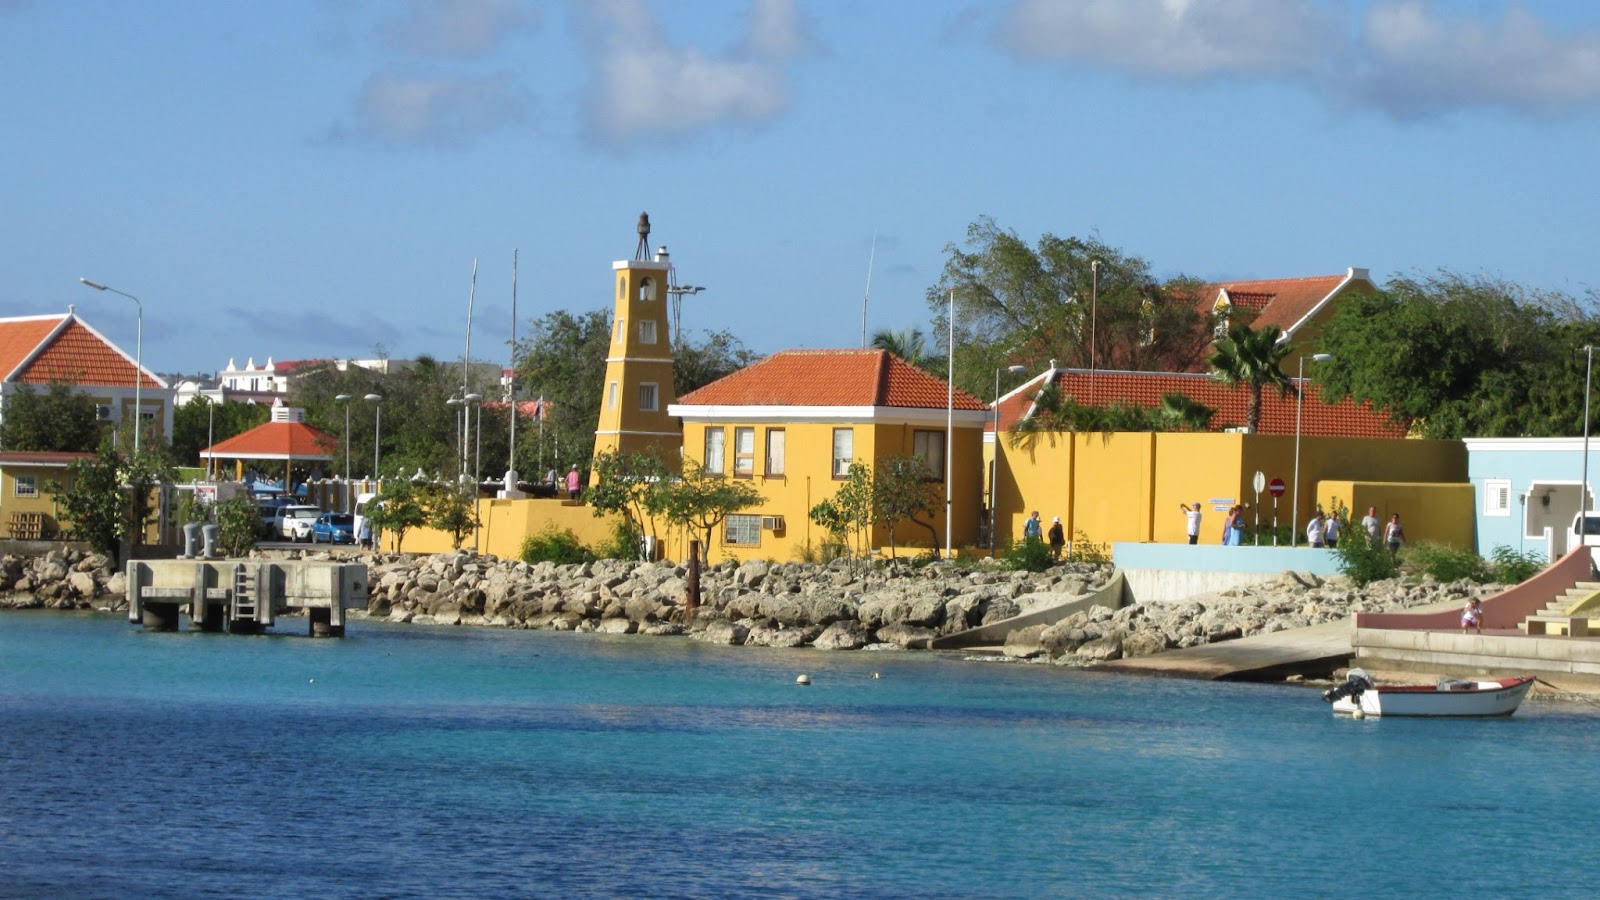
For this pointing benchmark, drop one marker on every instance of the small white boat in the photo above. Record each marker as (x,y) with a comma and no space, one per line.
(1359,696)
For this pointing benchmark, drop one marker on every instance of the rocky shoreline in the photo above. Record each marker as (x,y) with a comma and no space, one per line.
(836,606)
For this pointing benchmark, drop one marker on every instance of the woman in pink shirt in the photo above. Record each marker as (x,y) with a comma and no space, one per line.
(572,483)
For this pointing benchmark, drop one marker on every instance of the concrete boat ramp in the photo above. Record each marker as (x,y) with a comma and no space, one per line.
(1315,651)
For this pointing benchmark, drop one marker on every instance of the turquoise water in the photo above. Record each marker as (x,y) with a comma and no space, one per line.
(409,761)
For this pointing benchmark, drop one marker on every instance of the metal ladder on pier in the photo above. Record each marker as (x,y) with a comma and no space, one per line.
(245,594)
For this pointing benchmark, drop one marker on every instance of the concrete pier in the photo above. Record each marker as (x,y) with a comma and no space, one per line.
(244,596)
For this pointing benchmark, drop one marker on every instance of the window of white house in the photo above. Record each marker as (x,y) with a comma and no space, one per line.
(647,397)
(744,452)
(27,486)
(1497,496)
(844,450)
(742,531)
(714,438)
(647,331)
(928,446)
(775,448)
(611,395)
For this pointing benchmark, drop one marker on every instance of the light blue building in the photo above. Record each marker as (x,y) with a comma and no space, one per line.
(1528,491)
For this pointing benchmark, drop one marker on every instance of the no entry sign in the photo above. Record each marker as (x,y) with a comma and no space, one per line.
(1276,487)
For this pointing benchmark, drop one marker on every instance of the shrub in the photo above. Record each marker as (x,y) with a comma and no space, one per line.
(556,546)
(238,523)
(620,544)
(1086,551)
(1030,554)
(1364,558)
(1446,563)
(1514,566)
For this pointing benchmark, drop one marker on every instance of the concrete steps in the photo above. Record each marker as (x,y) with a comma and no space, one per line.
(1576,613)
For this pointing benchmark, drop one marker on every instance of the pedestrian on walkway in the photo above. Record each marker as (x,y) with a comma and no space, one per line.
(1031,530)
(1058,538)
(1193,524)
(1393,534)
(1314,529)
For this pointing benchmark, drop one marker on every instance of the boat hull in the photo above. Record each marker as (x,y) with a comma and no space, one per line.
(1453,699)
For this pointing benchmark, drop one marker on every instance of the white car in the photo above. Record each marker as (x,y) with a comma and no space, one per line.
(293,523)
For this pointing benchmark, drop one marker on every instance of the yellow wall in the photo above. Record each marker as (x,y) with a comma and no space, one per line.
(1128,486)
(506,523)
(1440,513)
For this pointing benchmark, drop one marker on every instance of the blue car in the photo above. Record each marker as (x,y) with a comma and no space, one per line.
(333,528)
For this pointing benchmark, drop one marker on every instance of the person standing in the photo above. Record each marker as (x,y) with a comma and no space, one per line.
(1058,538)
(1331,529)
(1227,525)
(1370,522)
(1314,529)
(1031,530)
(574,484)
(1237,537)
(1193,523)
(1393,534)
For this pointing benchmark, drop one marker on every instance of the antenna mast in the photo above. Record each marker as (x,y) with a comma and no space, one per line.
(871,258)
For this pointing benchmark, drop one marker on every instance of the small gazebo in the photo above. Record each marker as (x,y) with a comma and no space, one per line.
(286,437)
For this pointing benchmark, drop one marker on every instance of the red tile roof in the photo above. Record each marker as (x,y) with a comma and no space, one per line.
(275,440)
(1145,389)
(41,349)
(1277,301)
(830,378)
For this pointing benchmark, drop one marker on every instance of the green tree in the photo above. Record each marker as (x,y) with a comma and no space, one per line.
(698,363)
(398,508)
(238,523)
(564,361)
(902,491)
(452,508)
(1251,358)
(698,501)
(1451,356)
(1079,301)
(60,419)
(847,515)
(626,485)
(911,345)
(93,502)
(194,421)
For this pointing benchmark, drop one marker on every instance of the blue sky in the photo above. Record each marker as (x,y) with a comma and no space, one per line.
(313,178)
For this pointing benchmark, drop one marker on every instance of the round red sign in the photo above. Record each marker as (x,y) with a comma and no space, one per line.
(1276,487)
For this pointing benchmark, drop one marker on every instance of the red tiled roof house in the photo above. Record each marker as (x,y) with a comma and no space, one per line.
(792,424)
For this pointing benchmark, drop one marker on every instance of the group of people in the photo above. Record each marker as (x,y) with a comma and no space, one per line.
(1323,530)
(1033,530)
(574,482)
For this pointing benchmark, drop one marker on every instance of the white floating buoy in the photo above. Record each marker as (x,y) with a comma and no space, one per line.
(1358,713)
(313,681)
(874,675)
(803,679)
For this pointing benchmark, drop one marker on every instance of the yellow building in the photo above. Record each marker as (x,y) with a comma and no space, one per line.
(793,423)
(638,386)
(28,508)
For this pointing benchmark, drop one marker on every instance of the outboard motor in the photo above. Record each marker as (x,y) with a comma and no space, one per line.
(1356,681)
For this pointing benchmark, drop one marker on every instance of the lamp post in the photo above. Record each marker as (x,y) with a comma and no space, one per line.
(377,430)
(1300,402)
(949,422)
(994,466)
(1583,488)
(1094,311)
(475,401)
(459,420)
(677,293)
(211,417)
(345,399)
(138,359)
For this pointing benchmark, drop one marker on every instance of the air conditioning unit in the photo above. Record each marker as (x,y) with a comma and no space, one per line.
(772,523)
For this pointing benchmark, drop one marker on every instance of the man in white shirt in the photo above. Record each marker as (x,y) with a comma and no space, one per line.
(1193,515)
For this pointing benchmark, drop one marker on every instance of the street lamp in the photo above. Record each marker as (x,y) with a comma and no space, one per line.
(211,416)
(1094,311)
(994,466)
(1300,402)
(138,359)
(345,399)
(476,401)
(1583,488)
(458,417)
(377,430)
(677,293)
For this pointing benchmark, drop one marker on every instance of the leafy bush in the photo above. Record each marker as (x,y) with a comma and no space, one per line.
(1364,558)
(1514,566)
(238,523)
(1087,551)
(621,544)
(1446,563)
(1030,554)
(555,545)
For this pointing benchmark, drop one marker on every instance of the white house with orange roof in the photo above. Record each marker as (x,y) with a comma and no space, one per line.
(38,350)
(794,422)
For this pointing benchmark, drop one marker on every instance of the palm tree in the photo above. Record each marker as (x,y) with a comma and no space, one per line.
(1184,413)
(910,344)
(1251,358)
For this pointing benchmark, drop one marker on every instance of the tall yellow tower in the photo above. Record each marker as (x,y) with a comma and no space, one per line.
(638,386)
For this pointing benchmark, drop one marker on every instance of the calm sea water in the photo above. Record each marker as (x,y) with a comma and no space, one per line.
(410,761)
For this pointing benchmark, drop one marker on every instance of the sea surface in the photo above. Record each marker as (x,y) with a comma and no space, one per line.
(412,761)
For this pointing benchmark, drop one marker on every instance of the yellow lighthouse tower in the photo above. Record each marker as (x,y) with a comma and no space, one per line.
(638,386)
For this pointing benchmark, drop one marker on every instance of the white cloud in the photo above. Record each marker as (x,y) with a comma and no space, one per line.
(645,85)
(1407,58)
(438,110)
(1173,38)
(454,28)
(1416,61)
